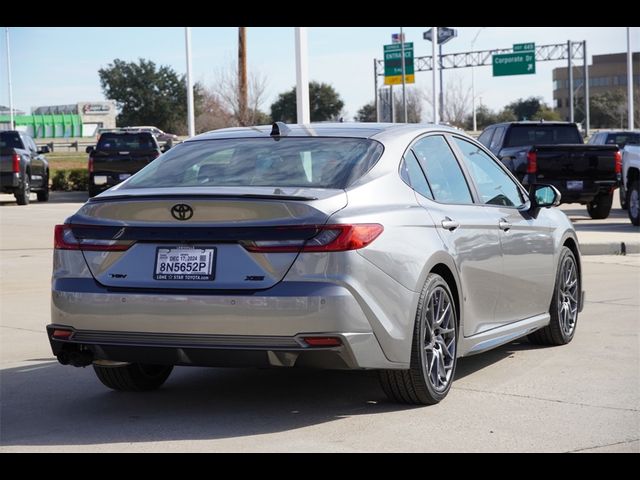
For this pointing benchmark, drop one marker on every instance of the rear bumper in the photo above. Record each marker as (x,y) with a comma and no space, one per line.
(590,188)
(195,328)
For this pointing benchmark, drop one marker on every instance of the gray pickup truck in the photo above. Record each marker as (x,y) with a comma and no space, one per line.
(23,168)
(554,153)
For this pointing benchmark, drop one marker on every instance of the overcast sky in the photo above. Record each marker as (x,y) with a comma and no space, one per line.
(59,65)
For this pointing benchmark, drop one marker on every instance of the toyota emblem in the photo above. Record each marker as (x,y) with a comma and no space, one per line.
(182,211)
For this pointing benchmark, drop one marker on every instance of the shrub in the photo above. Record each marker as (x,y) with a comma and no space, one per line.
(59,181)
(70,179)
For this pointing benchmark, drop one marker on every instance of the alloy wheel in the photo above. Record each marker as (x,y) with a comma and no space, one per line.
(568,296)
(439,341)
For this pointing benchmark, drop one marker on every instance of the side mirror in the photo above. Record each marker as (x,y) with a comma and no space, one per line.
(89,149)
(43,149)
(543,196)
(165,147)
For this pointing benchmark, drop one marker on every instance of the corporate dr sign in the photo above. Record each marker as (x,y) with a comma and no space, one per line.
(520,63)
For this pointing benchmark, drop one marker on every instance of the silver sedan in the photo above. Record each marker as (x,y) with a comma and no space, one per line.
(392,247)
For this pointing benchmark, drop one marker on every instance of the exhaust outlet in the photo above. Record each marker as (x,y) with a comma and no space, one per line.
(80,359)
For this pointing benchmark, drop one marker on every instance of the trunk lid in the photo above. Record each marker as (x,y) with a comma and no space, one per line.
(211,229)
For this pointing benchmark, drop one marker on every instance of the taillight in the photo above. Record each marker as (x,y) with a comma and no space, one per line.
(61,333)
(15,163)
(618,157)
(532,162)
(330,238)
(64,239)
(90,166)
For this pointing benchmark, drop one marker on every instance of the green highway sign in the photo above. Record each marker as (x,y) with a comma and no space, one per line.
(523,47)
(393,64)
(514,64)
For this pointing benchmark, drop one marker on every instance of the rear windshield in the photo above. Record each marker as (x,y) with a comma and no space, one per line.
(287,162)
(622,139)
(520,135)
(10,140)
(126,141)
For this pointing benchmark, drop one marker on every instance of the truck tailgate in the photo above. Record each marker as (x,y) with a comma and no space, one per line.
(579,162)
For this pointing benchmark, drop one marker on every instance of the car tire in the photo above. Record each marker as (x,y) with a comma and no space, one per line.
(623,197)
(633,202)
(565,304)
(600,207)
(24,191)
(133,377)
(43,195)
(428,379)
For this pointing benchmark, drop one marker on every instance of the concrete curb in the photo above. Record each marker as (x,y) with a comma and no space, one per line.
(609,248)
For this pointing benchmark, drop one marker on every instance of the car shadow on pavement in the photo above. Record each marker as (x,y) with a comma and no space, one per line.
(48,404)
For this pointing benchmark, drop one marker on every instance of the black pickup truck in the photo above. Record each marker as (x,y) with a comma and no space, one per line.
(554,153)
(117,156)
(23,168)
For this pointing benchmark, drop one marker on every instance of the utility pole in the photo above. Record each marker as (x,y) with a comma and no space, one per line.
(441,86)
(190,115)
(302,77)
(586,88)
(629,80)
(11,122)
(473,86)
(375,89)
(242,76)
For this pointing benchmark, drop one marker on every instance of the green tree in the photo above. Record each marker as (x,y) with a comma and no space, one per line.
(148,95)
(484,117)
(526,109)
(324,102)
(366,114)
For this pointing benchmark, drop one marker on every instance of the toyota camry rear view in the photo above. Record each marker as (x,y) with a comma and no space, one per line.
(392,247)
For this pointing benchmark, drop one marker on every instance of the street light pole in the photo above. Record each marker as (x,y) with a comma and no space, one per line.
(11,123)
(190,114)
(404,86)
(302,77)
(434,70)
(629,80)
(473,86)
(441,86)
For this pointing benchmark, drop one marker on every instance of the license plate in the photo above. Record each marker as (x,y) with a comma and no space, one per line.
(99,179)
(124,176)
(184,263)
(574,184)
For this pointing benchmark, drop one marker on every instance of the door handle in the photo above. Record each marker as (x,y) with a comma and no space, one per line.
(504,225)
(449,224)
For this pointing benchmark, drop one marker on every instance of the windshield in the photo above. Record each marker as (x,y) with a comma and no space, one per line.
(285,162)
(126,141)
(622,139)
(520,135)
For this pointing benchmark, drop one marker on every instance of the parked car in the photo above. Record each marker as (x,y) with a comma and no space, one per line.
(554,153)
(631,181)
(397,248)
(117,156)
(159,134)
(23,167)
(621,138)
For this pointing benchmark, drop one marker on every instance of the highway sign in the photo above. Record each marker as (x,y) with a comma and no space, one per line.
(514,64)
(393,64)
(523,47)
(444,34)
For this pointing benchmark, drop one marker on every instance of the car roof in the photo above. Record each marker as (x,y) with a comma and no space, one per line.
(324,129)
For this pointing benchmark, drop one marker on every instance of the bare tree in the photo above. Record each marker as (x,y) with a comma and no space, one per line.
(415,98)
(457,102)
(226,88)
(212,114)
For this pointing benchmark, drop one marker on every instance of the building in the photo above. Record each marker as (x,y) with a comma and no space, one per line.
(7,111)
(607,73)
(81,119)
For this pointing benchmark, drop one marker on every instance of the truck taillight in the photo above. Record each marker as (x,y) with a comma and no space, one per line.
(532,162)
(618,162)
(90,166)
(15,163)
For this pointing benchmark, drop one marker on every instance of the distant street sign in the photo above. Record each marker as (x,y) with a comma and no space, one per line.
(444,34)
(514,64)
(393,64)
(395,38)
(523,47)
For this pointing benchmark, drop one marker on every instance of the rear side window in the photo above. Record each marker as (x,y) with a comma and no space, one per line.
(126,141)
(443,172)
(497,139)
(539,134)
(318,162)
(622,139)
(10,140)
(413,176)
(485,137)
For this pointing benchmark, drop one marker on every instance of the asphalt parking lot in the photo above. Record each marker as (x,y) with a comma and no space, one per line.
(582,397)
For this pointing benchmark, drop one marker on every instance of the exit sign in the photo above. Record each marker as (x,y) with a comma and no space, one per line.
(523,47)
